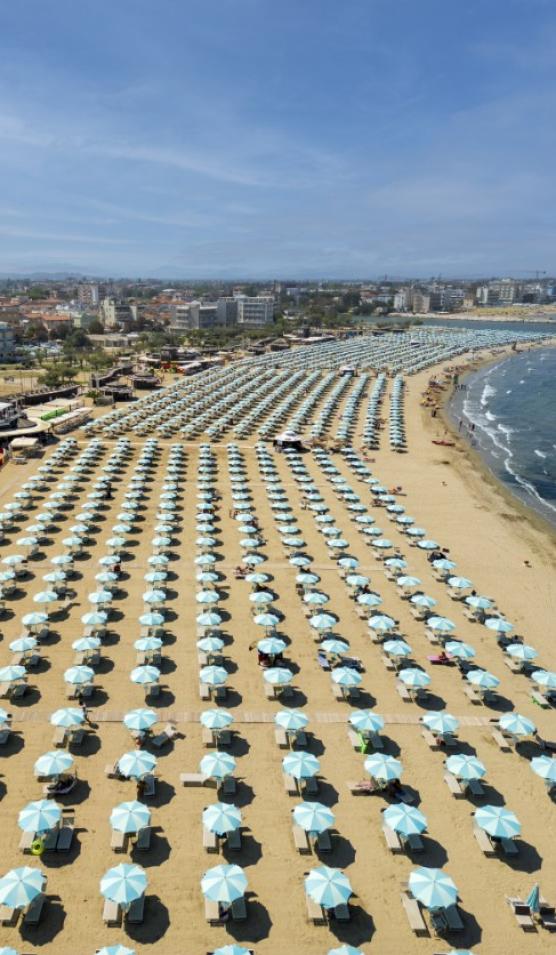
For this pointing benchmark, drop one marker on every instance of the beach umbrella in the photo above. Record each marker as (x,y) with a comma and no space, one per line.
(407,581)
(345,676)
(278,676)
(84,644)
(100,597)
(124,884)
(79,675)
(13,560)
(483,679)
(427,545)
(516,725)
(414,677)
(441,722)
(498,821)
(23,645)
(136,764)
(348,563)
(271,645)
(213,675)
(221,818)
(416,532)
(53,763)
(545,767)
(224,883)
(441,624)
(261,597)
(369,600)
(157,596)
(67,717)
(315,598)
(253,559)
(230,950)
(478,603)
(5,717)
(113,950)
(521,651)
(55,577)
(216,719)
(459,583)
(7,575)
(140,720)
(545,678)
(463,651)
(382,543)
(40,816)
(148,644)
(396,563)
(209,618)
(130,816)
(151,619)
(45,597)
(343,950)
(300,764)
(443,564)
(210,644)
(322,621)
(465,767)
(381,622)
(268,620)
(328,887)
(291,720)
(12,673)
(299,560)
(109,560)
(499,625)
(407,820)
(396,648)
(144,675)
(95,618)
(217,764)
(356,580)
(364,721)
(432,887)
(533,900)
(383,767)
(313,816)
(7,950)
(20,886)
(207,577)
(423,600)
(258,578)
(207,597)
(334,646)
(34,619)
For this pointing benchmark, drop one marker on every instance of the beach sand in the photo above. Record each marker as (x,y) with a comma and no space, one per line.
(488,535)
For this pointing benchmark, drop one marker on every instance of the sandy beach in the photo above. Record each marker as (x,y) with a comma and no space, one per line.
(488,534)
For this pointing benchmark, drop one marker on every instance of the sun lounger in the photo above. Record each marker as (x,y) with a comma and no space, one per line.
(413,913)
(76,737)
(337,692)
(111,770)
(204,691)
(388,662)
(365,787)
(475,787)
(522,914)
(119,841)
(228,786)
(484,842)
(220,693)
(196,779)
(239,909)
(111,914)
(210,841)
(454,786)
(59,738)
(26,841)
(143,841)
(290,784)
(393,841)
(537,698)
(149,786)
(324,841)
(300,840)
(430,739)
(65,832)
(208,738)
(152,690)
(212,913)
(168,733)
(299,739)
(342,913)
(509,847)
(233,840)
(310,786)
(473,695)
(8,916)
(404,692)
(136,911)
(281,738)
(34,912)
(315,912)
(414,843)
(4,735)
(547,916)
(453,919)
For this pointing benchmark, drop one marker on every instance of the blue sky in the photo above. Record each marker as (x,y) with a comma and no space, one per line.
(297,138)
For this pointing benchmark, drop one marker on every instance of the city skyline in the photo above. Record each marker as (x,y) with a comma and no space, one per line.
(307,141)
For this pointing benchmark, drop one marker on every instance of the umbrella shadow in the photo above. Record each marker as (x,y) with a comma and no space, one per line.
(230,665)
(13,745)
(472,931)
(155,925)
(364,701)
(250,853)
(464,747)
(159,852)
(314,744)
(491,797)
(527,860)
(391,747)
(167,665)
(57,860)
(434,853)
(100,696)
(258,923)
(499,703)
(110,638)
(90,746)
(233,699)
(430,701)
(51,638)
(51,924)
(343,851)
(239,745)
(244,796)
(32,695)
(328,794)
(297,698)
(358,930)
(43,666)
(165,792)
(104,666)
(80,792)
(164,699)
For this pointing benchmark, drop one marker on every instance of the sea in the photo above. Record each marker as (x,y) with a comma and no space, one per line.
(508,411)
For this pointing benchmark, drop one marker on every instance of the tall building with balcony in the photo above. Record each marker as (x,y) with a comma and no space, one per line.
(255,310)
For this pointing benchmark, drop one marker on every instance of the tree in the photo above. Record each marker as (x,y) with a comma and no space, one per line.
(96,327)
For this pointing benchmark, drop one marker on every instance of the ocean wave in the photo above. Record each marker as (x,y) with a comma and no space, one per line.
(540,454)
(488,392)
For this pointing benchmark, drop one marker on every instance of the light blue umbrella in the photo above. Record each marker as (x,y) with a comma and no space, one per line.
(406,581)
(313,816)
(271,645)
(441,722)
(343,950)
(261,597)
(34,619)
(441,624)
(7,950)
(423,600)
(79,675)
(95,618)
(140,720)
(130,816)
(152,577)
(232,950)
(465,767)
(20,886)
(516,724)
(483,679)
(396,563)
(545,678)
(463,651)
(383,767)
(382,543)
(291,720)
(67,717)
(364,721)
(151,619)
(328,887)
(315,598)
(443,564)
(137,764)
(278,676)
(148,644)
(221,817)
(381,622)
(258,578)
(217,764)
(322,621)
(407,820)
(216,719)
(124,884)
(459,583)
(209,618)
(85,644)
(55,577)
(299,560)
(498,821)
(207,597)
(499,625)
(396,648)
(533,900)
(432,887)
(45,597)
(100,597)
(414,677)
(224,883)
(40,816)
(53,763)
(300,764)
(332,645)
(348,563)
(210,644)
(427,545)
(144,675)
(268,620)
(545,767)
(23,645)
(357,580)
(114,950)
(213,675)
(369,600)
(155,597)
(521,651)
(479,603)
(345,676)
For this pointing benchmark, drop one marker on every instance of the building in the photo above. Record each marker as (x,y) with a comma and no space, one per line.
(88,295)
(446,299)
(402,300)
(115,313)
(255,310)
(7,343)
(227,310)
(420,302)
(501,292)
(192,316)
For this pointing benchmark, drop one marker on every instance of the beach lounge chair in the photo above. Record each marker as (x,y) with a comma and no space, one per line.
(430,739)
(34,912)
(509,847)
(26,841)
(414,843)
(473,695)
(196,779)
(404,692)
(136,911)
(228,786)
(233,840)
(212,913)
(119,841)
(393,841)
(413,913)
(111,914)
(522,914)
(539,699)
(298,739)
(363,787)
(210,841)
(454,786)
(300,840)
(290,785)
(324,841)
(475,787)
(65,832)
(5,735)
(59,737)
(484,842)
(547,916)
(8,916)
(342,913)
(149,786)
(388,662)
(204,691)
(239,909)
(168,733)
(310,786)
(315,912)
(281,738)
(143,841)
